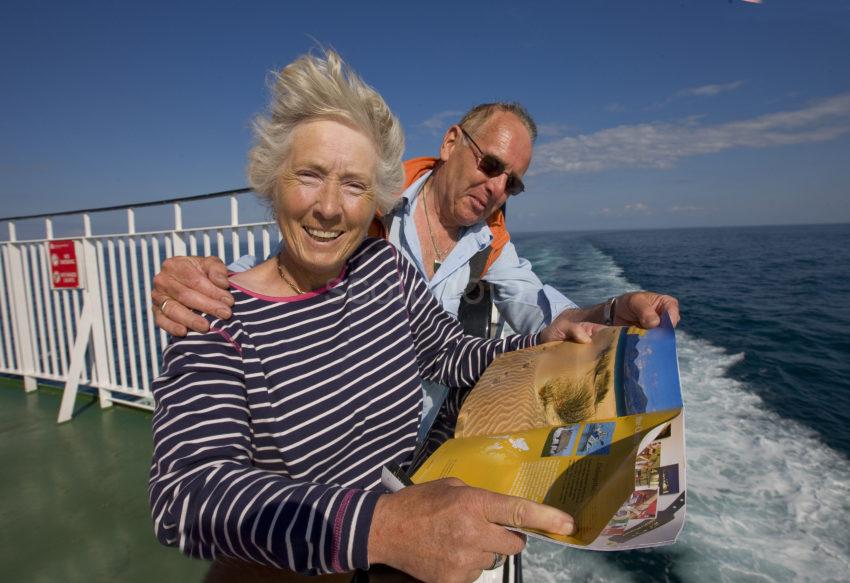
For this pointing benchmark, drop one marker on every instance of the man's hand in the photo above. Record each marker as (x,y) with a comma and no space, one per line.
(186,284)
(640,308)
(563,328)
(447,531)
(644,309)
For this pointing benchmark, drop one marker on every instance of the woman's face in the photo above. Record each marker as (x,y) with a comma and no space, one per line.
(325,200)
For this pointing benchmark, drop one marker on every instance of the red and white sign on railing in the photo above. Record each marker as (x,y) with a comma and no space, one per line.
(65,264)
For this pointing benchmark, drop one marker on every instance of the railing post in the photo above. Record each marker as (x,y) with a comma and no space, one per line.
(92,295)
(21,309)
(178,244)
(234,224)
(90,333)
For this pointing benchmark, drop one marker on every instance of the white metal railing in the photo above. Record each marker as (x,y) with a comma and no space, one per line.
(103,336)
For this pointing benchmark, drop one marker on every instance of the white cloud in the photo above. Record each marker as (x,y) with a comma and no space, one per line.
(628,209)
(552,130)
(709,90)
(700,91)
(662,144)
(440,121)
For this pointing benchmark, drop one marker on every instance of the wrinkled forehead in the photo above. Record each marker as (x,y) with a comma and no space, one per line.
(506,137)
(332,143)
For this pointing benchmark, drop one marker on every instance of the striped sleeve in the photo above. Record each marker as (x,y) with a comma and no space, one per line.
(444,354)
(207,497)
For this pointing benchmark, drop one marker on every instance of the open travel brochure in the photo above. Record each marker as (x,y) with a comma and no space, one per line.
(594,429)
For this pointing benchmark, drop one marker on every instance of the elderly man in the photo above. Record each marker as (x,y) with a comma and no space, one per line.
(450,225)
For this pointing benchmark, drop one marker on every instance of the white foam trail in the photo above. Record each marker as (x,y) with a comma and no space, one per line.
(767,499)
(767,496)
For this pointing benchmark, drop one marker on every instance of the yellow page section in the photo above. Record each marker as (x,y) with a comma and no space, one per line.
(585,469)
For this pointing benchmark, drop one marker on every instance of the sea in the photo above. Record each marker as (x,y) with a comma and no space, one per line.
(764,355)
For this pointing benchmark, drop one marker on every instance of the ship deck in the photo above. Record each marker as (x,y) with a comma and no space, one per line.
(74,496)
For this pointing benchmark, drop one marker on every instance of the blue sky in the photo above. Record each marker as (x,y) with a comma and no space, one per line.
(652,114)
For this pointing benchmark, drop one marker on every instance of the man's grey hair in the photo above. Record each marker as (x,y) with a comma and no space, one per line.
(478,115)
(324,87)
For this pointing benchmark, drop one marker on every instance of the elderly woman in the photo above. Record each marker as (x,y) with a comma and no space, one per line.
(271,429)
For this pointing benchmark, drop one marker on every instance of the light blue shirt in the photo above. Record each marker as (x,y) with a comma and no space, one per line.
(526,304)
(522,299)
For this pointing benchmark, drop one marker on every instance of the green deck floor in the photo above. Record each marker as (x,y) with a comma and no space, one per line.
(73,497)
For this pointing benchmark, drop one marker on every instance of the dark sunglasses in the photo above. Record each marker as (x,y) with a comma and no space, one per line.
(492,167)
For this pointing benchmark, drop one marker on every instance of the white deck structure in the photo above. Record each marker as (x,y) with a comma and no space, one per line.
(103,335)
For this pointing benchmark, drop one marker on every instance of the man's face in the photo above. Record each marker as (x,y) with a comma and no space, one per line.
(467,195)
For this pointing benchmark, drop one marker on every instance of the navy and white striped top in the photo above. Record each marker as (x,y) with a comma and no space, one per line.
(271,429)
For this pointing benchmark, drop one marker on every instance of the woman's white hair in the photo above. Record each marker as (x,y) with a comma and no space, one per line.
(313,88)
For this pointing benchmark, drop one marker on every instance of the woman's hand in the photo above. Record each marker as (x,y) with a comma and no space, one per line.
(186,284)
(447,531)
(562,328)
